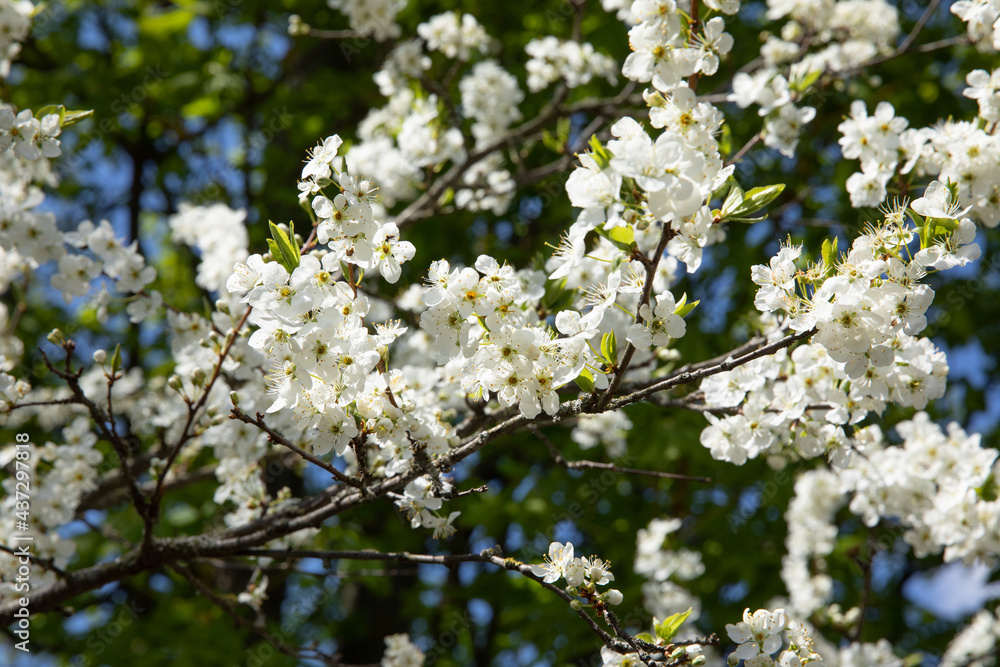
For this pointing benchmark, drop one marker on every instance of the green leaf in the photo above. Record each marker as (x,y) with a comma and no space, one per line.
(74,117)
(616,262)
(66,118)
(598,152)
(275,252)
(622,238)
(116,360)
(646,637)
(609,348)
(756,199)
(553,291)
(668,627)
(164,25)
(829,252)
(733,200)
(284,250)
(726,140)
(931,228)
(551,142)
(683,307)
(585,380)
(206,106)
(802,84)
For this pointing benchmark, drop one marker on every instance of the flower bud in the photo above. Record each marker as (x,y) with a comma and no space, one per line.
(576,605)
(100,356)
(222,305)
(614,596)
(175,382)
(699,660)
(198,377)
(235,398)
(56,337)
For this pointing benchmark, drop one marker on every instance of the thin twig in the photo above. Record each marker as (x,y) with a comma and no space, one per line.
(279,439)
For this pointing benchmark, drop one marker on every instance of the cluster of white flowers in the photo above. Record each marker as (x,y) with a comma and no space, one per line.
(219,234)
(762,634)
(608,428)
(372,17)
(575,63)
(868,306)
(936,484)
(405,62)
(772,92)
(879,142)
(31,137)
(821,36)
(812,535)
(975,645)
(665,50)
(325,365)
(959,151)
(15,22)
(583,573)
(659,562)
(847,32)
(879,654)
(453,35)
(61,475)
(488,320)
(676,174)
(421,498)
(401,652)
(983,19)
(490,96)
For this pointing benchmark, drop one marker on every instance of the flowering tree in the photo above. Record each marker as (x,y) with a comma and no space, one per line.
(230,416)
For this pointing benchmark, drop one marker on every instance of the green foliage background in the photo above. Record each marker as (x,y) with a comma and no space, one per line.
(212,101)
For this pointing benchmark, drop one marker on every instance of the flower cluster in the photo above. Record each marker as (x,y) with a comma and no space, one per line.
(575,63)
(490,96)
(762,634)
(483,314)
(67,472)
(15,22)
(663,565)
(665,49)
(867,308)
(31,137)
(820,37)
(878,141)
(219,234)
(584,574)
(983,19)
(453,35)
(401,652)
(371,17)
(958,151)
